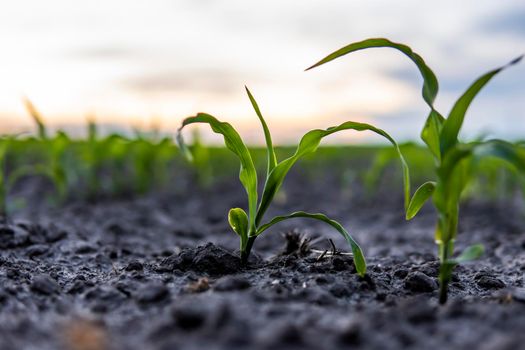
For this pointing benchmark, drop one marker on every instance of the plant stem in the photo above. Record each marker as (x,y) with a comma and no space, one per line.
(443,291)
(245,251)
(443,285)
(445,270)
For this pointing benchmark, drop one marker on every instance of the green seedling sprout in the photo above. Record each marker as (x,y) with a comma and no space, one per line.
(453,159)
(250,225)
(4,145)
(93,159)
(54,169)
(115,164)
(6,180)
(151,153)
(201,160)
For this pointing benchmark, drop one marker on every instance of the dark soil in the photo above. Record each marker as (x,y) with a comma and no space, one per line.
(161,272)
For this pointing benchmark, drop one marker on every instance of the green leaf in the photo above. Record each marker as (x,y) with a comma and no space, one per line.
(239,222)
(4,145)
(453,158)
(430,83)
(92,130)
(272,159)
(470,253)
(431,131)
(454,121)
(308,144)
(233,142)
(382,158)
(502,150)
(29,170)
(421,195)
(454,173)
(37,117)
(359,259)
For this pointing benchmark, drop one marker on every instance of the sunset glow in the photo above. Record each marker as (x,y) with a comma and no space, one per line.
(142,63)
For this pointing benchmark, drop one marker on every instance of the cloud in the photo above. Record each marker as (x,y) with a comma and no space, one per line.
(115,51)
(511,22)
(131,57)
(212,81)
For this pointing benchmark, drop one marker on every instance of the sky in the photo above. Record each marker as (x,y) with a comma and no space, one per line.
(139,64)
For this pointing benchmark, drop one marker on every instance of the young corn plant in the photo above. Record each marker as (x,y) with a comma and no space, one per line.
(55,147)
(4,145)
(453,158)
(249,225)
(7,179)
(201,160)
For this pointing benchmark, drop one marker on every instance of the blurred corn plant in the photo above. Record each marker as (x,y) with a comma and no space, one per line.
(54,165)
(201,160)
(150,157)
(453,159)
(8,177)
(4,146)
(103,165)
(417,157)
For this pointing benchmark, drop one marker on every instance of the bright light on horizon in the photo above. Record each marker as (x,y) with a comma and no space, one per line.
(131,64)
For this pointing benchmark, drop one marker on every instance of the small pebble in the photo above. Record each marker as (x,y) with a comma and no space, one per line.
(36,250)
(85,248)
(189,317)
(152,293)
(490,282)
(420,283)
(134,266)
(518,294)
(230,283)
(44,284)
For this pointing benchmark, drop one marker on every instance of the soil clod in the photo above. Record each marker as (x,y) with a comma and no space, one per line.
(487,281)
(44,284)
(152,293)
(418,282)
(231,283)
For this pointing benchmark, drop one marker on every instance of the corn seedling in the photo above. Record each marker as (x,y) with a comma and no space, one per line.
(144,161)
(4,145)
(105,163)
(453,159)
(250,225)
(93,155)
(53,168)
(201,160)
(7,180)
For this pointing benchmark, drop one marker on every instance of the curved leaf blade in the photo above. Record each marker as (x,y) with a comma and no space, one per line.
(238,220)
(431,131)
(233,141)
(454,174)
(430,82)
(422,194)
(4,145)
(502,150)
(272,159)
(470,253)
(308,144)
(452,125)
(359,259)
(37,118)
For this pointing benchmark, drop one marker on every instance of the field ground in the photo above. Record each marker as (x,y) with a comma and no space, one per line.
(159,271)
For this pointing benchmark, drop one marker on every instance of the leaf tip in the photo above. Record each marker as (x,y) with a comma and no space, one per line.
(311,67)
(517,59)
